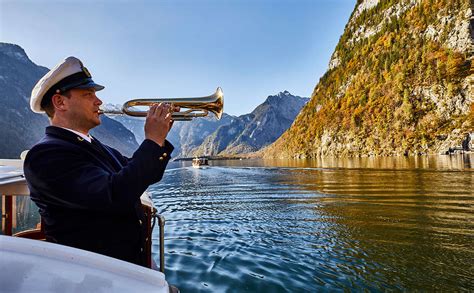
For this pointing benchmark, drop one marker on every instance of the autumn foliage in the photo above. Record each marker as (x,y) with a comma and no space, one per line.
(398,89)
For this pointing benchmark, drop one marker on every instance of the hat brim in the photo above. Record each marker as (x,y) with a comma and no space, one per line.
(89,85)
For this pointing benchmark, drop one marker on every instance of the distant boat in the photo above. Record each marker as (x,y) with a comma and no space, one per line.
(198,162)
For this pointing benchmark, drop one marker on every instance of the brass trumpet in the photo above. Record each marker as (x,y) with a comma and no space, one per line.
(202,105)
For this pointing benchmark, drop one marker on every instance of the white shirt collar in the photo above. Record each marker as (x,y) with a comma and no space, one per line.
(86,137)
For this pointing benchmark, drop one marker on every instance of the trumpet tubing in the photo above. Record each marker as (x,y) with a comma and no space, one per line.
(197,107)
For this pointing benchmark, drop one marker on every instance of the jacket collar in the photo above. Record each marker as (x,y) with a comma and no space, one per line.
(64,134)
(84,136)
(98,150)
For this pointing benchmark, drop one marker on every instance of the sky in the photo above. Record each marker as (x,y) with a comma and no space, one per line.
(184,48)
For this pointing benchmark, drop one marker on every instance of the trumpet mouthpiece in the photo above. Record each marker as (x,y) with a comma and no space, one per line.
(110,109)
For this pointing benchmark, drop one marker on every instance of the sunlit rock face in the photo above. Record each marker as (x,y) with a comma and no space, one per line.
(399,82)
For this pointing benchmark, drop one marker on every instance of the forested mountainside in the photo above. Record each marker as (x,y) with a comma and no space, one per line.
(399,82)
(20,128)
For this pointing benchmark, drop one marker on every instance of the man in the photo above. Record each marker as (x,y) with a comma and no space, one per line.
(88,194)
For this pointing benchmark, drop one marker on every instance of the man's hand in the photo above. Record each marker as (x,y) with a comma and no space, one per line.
(158,122)
(173,109)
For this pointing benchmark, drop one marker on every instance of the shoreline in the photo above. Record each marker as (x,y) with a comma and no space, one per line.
(226,158)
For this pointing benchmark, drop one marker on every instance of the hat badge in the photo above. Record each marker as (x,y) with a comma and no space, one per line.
(87,73)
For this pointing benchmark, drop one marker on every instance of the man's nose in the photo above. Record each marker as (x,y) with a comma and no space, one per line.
(99,101)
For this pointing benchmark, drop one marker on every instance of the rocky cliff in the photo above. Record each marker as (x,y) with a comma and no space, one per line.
(20,128)
(188,136)
(399,82)
(250,132)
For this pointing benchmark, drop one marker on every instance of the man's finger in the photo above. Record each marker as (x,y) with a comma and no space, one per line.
(168,116)
(152,110)
(166,109)
(159,109)
(175,108)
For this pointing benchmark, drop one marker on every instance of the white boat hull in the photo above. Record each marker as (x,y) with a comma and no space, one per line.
(36,266)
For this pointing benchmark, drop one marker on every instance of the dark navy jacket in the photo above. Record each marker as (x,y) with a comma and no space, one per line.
(89,194)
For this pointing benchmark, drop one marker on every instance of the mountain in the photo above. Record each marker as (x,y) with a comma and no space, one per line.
(134,124)
(251,132)
(230,135)
(114,134)
(188,136)
(399,82)
(185,136)
(20,127)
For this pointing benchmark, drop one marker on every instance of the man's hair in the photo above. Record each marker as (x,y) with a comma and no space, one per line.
(48,106)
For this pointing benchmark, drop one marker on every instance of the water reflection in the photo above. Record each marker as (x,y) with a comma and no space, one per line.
(332,224)
(453,162)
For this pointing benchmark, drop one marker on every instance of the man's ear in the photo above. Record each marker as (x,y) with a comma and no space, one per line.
(58,102)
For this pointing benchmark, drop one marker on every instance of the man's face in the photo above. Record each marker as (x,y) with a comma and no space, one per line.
(83,108)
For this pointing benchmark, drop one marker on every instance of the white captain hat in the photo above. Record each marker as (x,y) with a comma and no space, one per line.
(66,75)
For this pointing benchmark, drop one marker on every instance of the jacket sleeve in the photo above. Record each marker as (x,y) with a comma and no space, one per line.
(65,176)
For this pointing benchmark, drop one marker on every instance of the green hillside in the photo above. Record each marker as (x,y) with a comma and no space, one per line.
(399,82)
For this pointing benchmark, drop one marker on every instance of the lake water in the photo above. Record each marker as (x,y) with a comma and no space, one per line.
(390,224)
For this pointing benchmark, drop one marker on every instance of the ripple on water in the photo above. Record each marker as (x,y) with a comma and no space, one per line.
(308,229)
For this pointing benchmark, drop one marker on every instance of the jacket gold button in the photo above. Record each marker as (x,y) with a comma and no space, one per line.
(140,221)
(165,155)
(161,158)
